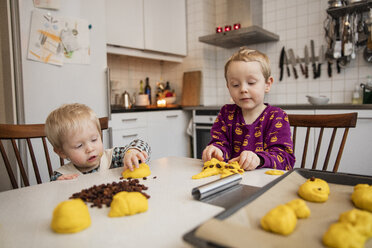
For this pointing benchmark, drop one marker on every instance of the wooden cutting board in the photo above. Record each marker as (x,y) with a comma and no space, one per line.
(191,88)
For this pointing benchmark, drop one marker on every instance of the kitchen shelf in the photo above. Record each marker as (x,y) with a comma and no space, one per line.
(356,7)
(118,50)
(241,37)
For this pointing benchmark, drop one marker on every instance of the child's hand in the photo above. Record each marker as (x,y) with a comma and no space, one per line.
(68,177)
(247,160)
(132,157)
(212,152)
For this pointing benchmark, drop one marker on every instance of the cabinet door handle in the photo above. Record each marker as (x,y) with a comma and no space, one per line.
(172,116)
(131,119)
(130,135)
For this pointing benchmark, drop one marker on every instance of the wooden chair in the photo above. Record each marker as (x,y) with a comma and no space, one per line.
(28,132)
(333,121)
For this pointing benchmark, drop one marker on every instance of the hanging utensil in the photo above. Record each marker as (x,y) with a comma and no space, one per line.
(320,61)
(313,60)
(329,69)
(301,66)
(281,63)
(306,51)
(337,46)
(347,45)
(293,62)
(287,63)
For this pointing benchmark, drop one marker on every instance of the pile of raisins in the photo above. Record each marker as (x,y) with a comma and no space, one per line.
(103,194)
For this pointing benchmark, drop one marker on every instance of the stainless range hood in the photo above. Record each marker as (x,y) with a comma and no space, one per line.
(249,14)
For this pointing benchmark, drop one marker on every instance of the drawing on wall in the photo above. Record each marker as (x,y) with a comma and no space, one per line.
(57,40)
(44,43)
(75,41)
(47,4)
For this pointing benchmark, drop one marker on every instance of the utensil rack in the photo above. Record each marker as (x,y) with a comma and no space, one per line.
(336,12)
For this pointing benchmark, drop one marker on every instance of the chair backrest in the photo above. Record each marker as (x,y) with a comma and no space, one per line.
(332,121)
(27,132)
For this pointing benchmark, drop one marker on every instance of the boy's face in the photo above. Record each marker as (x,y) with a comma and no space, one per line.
(83,147)
(247,85)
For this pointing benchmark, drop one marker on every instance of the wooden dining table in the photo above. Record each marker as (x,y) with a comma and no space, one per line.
(26,213)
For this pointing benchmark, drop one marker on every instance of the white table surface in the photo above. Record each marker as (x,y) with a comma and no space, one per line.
(26,213)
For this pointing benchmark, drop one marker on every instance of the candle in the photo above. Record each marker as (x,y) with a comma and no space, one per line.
(161,103)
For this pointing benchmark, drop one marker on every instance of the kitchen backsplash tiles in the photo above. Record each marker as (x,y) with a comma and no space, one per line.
(296,22)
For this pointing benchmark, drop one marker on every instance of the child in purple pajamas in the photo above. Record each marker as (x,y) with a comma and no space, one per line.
(251,132)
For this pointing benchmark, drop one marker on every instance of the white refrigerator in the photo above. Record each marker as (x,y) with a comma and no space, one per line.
(43,86)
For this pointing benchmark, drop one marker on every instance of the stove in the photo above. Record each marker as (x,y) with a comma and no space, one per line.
(202,124)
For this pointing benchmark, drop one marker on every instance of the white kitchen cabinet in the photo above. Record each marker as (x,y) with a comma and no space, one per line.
(167,133)
(165,26)
(128,127)
(147,25)
(164,131)
(125,136)
(124,21)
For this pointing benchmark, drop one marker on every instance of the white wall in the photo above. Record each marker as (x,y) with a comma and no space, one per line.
(296,22)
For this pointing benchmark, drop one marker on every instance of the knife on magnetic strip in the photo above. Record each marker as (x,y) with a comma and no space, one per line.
(306,51)
(293,62)
(321,60)
(286,63)
(281,64)
(313,61)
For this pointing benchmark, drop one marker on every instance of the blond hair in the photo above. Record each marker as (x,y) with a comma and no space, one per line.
(248,55)
(67,118)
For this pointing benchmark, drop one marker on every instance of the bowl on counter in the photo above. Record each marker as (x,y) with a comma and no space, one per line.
(318,100)
(170,100)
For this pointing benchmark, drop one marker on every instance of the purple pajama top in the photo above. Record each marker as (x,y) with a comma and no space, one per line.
(269,136)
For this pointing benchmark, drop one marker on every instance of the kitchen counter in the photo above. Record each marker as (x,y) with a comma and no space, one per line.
(296,106)
(121,109)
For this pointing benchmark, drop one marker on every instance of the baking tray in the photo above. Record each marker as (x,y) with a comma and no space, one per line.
(330,177)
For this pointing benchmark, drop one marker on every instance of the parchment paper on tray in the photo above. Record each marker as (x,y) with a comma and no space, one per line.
(243,227)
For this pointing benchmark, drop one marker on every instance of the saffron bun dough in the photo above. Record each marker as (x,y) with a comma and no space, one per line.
(300,208)
(353,229)
(274,172)
(283,218)
(360,219)
(143,170)
(343,235)
(314,190)
(362,196)
(128,203)
(70,217)
(215,167)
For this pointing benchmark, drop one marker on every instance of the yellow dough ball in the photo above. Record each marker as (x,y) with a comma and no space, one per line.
(142,171)
(300,208)
(343,235)
(274,172)
(128,203)
(281,219)
(70,217)
(314,190)
(360,219)
(362,196)
(214,167)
